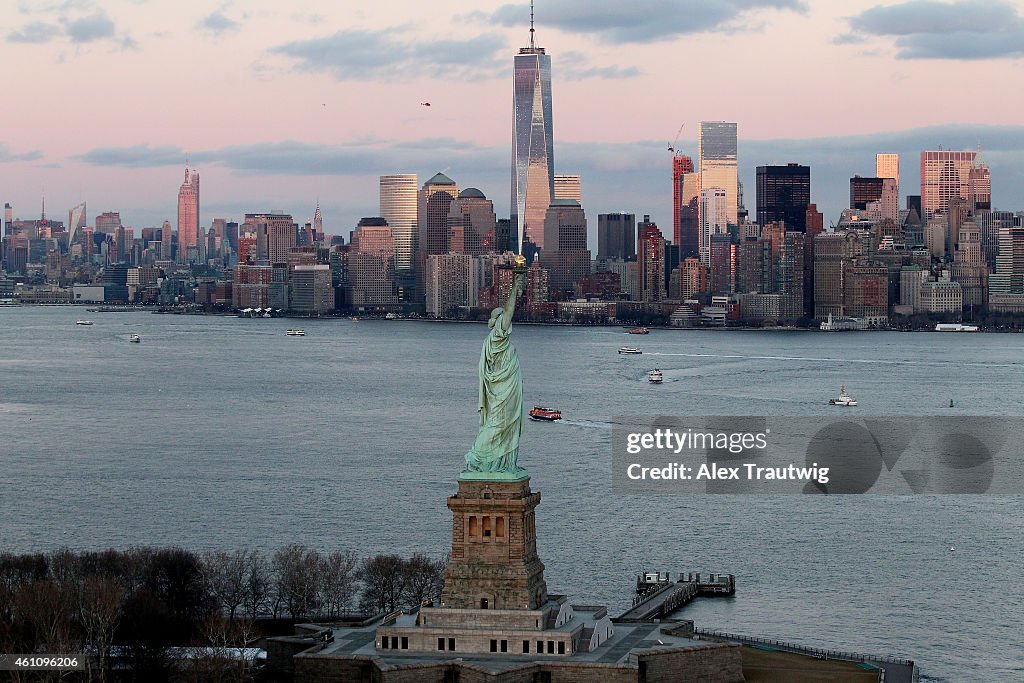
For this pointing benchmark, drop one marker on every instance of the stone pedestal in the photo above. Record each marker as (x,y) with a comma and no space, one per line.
(494,562)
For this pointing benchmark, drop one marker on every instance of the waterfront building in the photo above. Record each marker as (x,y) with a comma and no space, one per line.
(399,203)
(834,253)
(472,224)
(433,234)
(1006,284)
(282,237)
(693,278)
(911,278)
(533,150)
(941,296)
(714,216)
(188,215)
(311,290)
(371,264)
(566,256)
(722,266)
(650,265)
(453,282)
(783,194)
(716,151)
(684,189)
(969,267)
(615,236)
(627,272)
(251,285)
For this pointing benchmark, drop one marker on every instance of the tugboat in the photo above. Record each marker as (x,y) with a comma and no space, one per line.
(630,350)
(135,338)
(542,414)
(655,376)
(843,400)
(639,330)
(296,333)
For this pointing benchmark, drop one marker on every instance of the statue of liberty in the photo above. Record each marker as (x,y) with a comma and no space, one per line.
(496,449)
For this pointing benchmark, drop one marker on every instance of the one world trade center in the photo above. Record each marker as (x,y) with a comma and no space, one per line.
(533,169)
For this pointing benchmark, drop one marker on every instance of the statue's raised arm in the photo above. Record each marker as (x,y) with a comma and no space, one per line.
(496,449)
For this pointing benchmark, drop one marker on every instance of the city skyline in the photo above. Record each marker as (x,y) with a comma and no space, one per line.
(300,147)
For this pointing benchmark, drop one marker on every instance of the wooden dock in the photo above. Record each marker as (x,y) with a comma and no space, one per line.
(659,596)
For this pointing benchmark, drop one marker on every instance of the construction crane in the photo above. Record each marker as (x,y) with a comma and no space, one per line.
(672,145)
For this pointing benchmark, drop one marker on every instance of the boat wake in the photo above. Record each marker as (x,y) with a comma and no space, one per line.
(588,423)
(872,361)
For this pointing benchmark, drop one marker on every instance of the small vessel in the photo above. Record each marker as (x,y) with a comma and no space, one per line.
(354,319)
(296,333)
(639,330)
(630,349)
(843,400)
(542,414)
(655,376)
(83,322)
(135,338)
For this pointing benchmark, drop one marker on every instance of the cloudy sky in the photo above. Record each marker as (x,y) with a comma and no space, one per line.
(281,104)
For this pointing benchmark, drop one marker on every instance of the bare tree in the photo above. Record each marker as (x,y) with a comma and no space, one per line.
(338,581)
(101,603)
(423,578)
(226,577)
(383,579)
(44,609)
(297,575)
(257,585)
(227,660)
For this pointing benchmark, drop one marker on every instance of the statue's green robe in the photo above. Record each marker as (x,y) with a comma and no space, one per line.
(500,403)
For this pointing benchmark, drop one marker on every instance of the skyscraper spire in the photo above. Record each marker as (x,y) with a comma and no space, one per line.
(531,23)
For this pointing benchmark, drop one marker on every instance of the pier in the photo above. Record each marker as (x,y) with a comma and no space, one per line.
(658,595)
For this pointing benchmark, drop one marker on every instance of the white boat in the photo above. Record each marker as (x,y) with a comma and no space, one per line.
(134,338)
(655,376)
(296,333)
(844,399)
(83,322)
(955,327)
(630,349)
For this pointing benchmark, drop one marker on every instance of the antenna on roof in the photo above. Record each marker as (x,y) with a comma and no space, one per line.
(531,24)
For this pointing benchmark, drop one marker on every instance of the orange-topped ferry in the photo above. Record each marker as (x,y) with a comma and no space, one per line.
(542,414)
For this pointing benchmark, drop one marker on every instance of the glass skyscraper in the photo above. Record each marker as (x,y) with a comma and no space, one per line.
(533,168)
(716,150)
(399,202)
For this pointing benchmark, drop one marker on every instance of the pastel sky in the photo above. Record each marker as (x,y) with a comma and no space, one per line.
(280,104)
